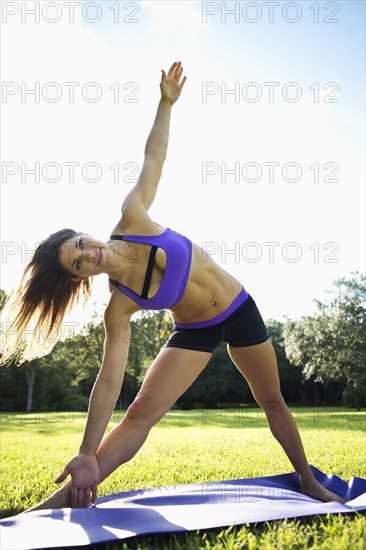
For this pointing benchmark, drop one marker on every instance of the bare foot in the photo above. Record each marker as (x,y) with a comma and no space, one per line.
(313,488)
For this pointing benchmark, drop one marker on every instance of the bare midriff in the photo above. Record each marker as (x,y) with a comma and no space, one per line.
(209,292)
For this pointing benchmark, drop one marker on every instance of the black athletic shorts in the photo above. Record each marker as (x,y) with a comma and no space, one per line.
(244,327)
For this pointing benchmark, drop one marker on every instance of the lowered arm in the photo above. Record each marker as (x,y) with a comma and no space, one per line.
(108,384)
(83,468)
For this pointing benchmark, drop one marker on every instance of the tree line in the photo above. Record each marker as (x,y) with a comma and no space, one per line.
(321,360)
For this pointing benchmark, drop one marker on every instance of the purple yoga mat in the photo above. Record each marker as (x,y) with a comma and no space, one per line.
(178,508)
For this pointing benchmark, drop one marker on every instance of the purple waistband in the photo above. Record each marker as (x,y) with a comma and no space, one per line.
(239,300)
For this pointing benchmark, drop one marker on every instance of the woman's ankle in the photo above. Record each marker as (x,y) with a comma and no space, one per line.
(306,476)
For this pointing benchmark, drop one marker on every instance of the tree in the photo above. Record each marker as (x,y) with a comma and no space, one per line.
(331,345)
(220,383)
(290,376)
(82,357)
(13,381)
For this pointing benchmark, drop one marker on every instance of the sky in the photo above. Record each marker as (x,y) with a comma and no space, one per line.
(266,159)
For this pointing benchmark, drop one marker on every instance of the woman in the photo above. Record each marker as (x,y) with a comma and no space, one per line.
(152,267)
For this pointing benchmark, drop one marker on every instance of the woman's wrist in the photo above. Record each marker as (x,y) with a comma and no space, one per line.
(164,101)
(85,451)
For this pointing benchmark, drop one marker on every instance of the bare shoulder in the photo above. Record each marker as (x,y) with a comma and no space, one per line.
(137,226)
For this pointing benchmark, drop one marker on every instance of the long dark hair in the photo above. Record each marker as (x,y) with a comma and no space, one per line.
(45,295)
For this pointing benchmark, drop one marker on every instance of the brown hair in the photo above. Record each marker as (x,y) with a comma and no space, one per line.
(45,295)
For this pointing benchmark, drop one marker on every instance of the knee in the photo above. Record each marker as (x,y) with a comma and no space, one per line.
(135,411)
(132,411)
(140,411)
(276,410)
(271,402)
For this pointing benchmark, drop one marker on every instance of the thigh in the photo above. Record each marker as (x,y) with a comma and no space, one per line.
(171,374)
(258,364)
(246,327)
(202,339)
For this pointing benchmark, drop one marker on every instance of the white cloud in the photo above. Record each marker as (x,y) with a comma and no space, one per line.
(175,17)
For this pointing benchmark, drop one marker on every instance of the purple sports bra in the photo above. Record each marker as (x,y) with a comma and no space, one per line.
(178,251)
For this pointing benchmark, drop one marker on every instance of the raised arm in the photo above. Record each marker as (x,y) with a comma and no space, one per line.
(143,193)
(83,468)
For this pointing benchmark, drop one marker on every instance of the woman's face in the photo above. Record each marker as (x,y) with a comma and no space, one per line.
(84,256)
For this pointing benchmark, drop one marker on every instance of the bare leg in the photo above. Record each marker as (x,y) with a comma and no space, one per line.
(171,374)
(258,365)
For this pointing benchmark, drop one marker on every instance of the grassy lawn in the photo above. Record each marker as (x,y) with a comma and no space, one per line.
(193,447)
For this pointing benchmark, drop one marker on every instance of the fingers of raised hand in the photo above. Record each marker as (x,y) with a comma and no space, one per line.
(176,71)
(172,68)
(179,76)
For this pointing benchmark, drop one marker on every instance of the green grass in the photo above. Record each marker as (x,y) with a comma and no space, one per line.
(192,447)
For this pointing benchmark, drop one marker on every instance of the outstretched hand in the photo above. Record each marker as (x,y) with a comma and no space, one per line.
(84,471)
(170,84)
